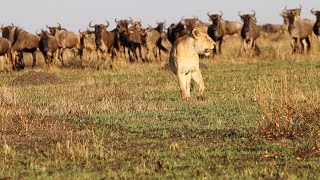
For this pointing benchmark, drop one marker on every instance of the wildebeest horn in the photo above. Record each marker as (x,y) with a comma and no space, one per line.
(300,7)
(254,13)
(12,25)
(239,13)
(108,23)
(1,26)
(312,12)
(91,25)
(221,13)
(59,25)
(79,31)
(37,32)
(115,20)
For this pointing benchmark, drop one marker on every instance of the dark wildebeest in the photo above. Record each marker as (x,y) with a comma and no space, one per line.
(133,38)
(219,28)
(184,27)
(106,41)
(48,45)
(316,26)
(21,41)
(249,33)
(87,43)
(66,40)
(122,27)
(300,30)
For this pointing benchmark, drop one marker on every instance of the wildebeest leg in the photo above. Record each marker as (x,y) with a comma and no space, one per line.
(197,77)
(140,53)
(20,60)
(34,58)
(308,40)
(131,54)
(245,46)
(61,51)
(214,49)
(159,53)
(294,45)
(220,43)
(45,55)
(182,84)
(252,47)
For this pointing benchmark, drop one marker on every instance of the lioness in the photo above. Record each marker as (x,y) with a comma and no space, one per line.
(184,60)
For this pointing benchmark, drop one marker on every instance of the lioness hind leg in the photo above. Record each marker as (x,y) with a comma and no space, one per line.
(182,84)
(197,77)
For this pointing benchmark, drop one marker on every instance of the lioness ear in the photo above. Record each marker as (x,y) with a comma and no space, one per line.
(196,32)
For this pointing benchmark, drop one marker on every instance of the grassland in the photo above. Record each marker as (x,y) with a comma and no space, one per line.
(259,119)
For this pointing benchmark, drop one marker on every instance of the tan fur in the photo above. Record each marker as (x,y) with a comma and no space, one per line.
(184,60)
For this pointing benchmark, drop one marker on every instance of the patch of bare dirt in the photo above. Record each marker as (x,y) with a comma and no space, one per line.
(36,78)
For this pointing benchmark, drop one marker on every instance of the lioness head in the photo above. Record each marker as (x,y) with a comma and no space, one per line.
(203,43)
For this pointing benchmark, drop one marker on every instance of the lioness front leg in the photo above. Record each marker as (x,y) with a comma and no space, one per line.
(197,77)
(188,84)
(183,85)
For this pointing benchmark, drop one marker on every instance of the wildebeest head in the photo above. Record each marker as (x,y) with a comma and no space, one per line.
(290,16)
(135,23)
(122,25)
(248,20)
(44,40)
(98,30)
(160,27)
(316,13)
(8,32)
(190,23)
(215,18)
(54,29)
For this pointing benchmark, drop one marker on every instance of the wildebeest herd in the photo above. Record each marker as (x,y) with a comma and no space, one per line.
(128,39)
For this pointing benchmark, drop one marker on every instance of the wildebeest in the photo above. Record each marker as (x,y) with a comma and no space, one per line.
(300,29)
(316,26)
(21,41)
(219,28)
(5,47)
(87,43)
(66,39)
(184,27)
(273,28)
(156,41)
(133,38)
(249,32)
(48,45)
(106,41)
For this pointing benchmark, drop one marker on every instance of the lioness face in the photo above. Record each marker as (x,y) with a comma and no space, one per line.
(203,43)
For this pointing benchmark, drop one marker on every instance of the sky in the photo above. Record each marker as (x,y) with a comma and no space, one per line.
(34,15)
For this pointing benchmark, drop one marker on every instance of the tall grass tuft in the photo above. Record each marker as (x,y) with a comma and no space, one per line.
(285,112)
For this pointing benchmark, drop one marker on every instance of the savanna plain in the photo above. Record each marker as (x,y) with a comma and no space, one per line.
(259,118)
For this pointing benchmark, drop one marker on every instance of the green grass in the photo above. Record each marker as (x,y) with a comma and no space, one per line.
(130,123)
